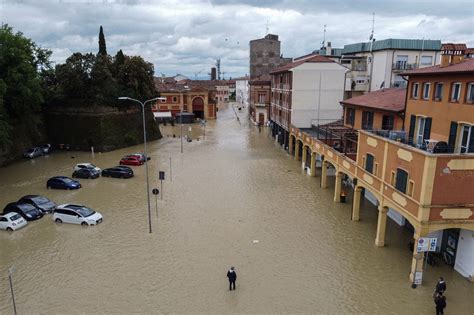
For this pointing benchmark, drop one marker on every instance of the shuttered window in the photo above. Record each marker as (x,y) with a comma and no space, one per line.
(369,163)
(452,136)
(401,180)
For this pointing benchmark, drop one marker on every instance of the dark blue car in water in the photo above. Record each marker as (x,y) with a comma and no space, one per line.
(62,182)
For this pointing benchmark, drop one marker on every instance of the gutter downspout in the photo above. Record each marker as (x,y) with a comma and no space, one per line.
(406,99)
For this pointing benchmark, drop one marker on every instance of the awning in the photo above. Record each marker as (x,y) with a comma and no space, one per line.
(162,114)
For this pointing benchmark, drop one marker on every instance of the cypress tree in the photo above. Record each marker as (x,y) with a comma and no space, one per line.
(119,58)
(102,47)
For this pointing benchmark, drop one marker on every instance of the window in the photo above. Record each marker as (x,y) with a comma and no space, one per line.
(3,220)
(426,91)
(467,139)
(401,180)
(423,131)
(411,185)
(387,122)
(350,115)
(261,98)
(369,163)
(438,92)
(414,90)
(455,92)
(163,100)
(367,120)
(470,93)
(426,60)
(175,99)
(401,62)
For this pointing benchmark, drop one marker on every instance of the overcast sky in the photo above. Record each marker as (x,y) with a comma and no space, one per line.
(186,36)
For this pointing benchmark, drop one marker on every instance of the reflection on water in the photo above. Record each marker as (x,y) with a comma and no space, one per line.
(235,187)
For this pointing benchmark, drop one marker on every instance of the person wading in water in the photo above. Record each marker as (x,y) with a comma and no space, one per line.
(232,275)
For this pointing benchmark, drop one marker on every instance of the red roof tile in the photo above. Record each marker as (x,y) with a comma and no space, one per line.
(465,66)
(291,65)
(386,99)
(451,46)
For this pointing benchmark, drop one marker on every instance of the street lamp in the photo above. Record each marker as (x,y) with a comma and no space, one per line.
(144,142)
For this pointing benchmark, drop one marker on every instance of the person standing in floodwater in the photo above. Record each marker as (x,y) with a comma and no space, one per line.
(232,275)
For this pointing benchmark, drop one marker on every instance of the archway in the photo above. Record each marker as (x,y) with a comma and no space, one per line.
(198,107)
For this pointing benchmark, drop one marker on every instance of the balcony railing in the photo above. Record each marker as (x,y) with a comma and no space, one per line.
(261,104)
(399,84)
(428,145)
(404,66)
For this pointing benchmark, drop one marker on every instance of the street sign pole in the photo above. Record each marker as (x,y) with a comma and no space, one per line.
(155,192)
(161,184)
(171,172)
(161,176)
(10,272)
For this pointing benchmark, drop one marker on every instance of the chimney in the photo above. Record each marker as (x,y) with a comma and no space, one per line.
(452,54)
(213,73)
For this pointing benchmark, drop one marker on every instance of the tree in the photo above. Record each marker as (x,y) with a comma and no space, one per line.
(102,46)
(21,96)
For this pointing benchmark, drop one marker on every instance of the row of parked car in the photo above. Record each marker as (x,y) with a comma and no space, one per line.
(43,149)
(33,207)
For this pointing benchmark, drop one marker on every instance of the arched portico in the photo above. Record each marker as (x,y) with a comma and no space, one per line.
(298,149)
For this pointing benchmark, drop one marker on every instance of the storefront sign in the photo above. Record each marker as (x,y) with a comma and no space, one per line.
(426,244)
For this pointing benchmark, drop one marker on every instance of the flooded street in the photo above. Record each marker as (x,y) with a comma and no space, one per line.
(232,188)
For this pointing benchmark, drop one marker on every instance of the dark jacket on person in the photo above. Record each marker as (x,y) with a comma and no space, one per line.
(232,275)
(441,286)
(440,302)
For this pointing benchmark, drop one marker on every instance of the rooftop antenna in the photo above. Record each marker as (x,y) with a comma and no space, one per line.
(324,38)
(371,38)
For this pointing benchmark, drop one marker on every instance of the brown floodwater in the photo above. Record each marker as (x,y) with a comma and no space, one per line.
(233,188)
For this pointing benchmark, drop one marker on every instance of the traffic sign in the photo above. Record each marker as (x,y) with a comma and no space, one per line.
(418,277)
(155,191)
(426,244)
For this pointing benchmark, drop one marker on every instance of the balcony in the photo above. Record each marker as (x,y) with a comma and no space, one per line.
(428,145)
(399,84)
(261,104)
(402,65)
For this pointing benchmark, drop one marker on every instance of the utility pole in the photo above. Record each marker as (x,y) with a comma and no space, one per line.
(372,39)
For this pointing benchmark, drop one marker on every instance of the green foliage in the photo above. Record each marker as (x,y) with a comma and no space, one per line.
(22,65)
(102,46)
(88,80)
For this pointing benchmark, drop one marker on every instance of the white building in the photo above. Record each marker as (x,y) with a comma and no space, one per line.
(378,64)
(242,91)
(307,92)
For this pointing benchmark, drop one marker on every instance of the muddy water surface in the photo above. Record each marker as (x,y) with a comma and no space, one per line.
(235,187)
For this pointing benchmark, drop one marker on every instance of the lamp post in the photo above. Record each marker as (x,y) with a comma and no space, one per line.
(146,154)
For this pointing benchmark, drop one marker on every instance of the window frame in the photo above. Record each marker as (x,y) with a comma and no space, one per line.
(470,90)
(391,119)
(452,100)
(397,187)
(367,113)
(426,94)
(464,148)
(420,130)
(372,160)
(426,64)
(415,88)
(435,98)
(350,119)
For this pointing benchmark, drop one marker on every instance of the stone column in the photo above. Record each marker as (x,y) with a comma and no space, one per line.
(290,145)
(324,174)
(313,164)
(303,156)
(381,226)
(356,204)
(337,187)
(297,150)
(417,261)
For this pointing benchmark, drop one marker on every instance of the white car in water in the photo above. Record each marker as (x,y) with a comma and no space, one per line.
(76,214)
(12,221)
(81,166)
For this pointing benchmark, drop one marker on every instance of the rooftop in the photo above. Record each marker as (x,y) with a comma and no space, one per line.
(391,43)
(464,66)
(386,99)
(310,58)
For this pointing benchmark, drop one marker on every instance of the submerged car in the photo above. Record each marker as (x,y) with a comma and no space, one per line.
(62,182)
(131,160)
(12,221)
(81,166)
(46,148)
(33,152)
(40,202)
(141,156)
(76,214)
(118,172)
(27,211)
(86,173)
